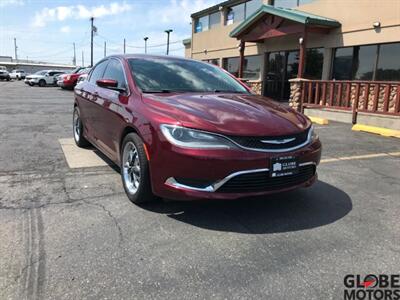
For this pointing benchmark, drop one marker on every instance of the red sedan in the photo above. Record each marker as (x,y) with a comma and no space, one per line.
(183,129)
(68,81)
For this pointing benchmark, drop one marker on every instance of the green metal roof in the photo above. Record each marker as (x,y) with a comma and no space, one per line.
(286,13)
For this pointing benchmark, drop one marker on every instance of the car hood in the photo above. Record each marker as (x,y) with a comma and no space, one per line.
(34,76)
(232,114)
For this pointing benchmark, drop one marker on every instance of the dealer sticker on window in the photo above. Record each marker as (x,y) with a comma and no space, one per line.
(283,166)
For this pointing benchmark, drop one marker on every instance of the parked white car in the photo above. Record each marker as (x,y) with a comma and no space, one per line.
(18,74)
(43,78)
(4,75)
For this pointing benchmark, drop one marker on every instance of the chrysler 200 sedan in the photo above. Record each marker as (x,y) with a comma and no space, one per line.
(183,129)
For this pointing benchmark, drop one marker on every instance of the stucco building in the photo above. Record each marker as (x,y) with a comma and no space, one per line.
(349,50)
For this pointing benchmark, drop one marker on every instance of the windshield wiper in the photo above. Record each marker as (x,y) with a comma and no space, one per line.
(157,91)
(229,92)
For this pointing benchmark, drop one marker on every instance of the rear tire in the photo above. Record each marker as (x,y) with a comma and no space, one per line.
(77,128)
(42,83)
(135,170)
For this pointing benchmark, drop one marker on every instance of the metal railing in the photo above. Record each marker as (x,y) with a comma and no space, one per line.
(379,97)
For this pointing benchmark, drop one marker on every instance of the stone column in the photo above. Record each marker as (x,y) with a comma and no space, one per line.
(295,93)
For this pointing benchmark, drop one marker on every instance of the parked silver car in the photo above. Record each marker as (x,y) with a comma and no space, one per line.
(4,75)
(18,74)
(43,78)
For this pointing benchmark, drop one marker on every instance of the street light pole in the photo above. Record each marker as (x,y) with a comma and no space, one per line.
(91,41)
(74,61)
(145,44)
(15,49)
(168,33)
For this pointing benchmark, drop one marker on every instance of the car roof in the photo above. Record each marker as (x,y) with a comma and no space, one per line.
(150,56)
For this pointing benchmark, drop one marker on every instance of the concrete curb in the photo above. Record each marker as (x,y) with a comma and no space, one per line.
(319,121)
(377,130)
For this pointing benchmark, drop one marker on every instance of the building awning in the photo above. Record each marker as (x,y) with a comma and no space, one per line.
(307,19)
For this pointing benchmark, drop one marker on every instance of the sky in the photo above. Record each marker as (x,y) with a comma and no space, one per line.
(45,30)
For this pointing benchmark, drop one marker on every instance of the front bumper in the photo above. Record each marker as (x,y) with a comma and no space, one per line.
(31,81)
(185,174)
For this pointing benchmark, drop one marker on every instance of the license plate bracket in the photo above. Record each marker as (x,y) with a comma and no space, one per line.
(283,166)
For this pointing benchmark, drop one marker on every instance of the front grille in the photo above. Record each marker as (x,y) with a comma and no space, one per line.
(254,142)
(260,181)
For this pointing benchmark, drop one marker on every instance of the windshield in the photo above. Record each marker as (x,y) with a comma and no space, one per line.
(76,70)
(84,71)
(169,75)
(41,73)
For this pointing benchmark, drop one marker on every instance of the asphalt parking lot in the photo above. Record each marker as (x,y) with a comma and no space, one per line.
(72,233)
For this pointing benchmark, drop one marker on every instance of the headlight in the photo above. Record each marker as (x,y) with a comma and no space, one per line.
(312,133)
(191,138)
(68,77)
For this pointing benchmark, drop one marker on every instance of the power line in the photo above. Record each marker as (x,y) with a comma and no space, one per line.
(110,41)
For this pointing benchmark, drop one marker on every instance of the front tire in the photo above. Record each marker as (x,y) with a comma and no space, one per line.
(135,170)
(42,83)
(77,127)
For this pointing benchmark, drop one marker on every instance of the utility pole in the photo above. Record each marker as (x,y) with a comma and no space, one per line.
(124,46)
(15,49)
(168,33)
(145,44)
(105,49)
(74,60)
(91,41)
(83,59)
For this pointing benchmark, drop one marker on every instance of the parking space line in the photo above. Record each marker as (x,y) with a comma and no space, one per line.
(355,157)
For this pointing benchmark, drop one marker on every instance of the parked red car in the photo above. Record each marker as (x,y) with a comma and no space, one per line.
(183,129)
(68,81)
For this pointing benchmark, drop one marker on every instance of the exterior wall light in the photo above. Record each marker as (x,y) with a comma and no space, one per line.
(301,41)
(376,24)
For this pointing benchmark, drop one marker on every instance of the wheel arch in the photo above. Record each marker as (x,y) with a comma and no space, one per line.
(128,129)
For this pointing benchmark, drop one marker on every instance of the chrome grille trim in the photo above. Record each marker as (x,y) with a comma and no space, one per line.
(171,181)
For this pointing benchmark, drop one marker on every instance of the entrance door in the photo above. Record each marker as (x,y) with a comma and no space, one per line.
(274,73)
(281,66)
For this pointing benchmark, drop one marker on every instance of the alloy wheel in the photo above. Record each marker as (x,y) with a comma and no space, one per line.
(131,168)
(77,126)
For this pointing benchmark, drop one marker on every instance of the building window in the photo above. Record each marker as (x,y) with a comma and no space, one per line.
(235,14)
(201,24)
(364,59)
(214,61)
(314,63)
(252,6)
(389,62)
(369,62)
(215,19)
(290,3)
(242,11)
(251,69)
(342,63)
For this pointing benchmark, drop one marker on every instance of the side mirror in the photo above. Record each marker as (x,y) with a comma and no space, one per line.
(107,83)
(110,84)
